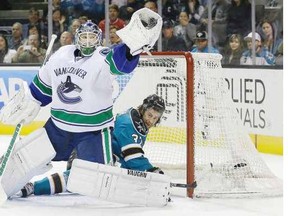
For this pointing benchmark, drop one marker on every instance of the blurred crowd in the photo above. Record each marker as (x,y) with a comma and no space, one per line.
(185,28)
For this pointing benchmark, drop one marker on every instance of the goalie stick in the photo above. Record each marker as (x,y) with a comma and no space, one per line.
(7,155)
(49,48)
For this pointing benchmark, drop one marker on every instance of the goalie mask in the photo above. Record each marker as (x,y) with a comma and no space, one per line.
(155,102)
(88,36)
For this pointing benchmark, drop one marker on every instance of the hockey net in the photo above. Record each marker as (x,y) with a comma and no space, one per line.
(200,136)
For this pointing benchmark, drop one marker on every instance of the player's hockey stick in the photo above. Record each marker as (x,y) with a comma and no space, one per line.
(206,170)
(193,185)
(6,158)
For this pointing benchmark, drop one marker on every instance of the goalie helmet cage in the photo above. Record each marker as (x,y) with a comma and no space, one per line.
(200,136)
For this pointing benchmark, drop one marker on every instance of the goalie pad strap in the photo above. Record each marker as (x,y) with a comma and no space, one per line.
(118,185)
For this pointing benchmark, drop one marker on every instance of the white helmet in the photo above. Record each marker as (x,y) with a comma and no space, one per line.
(88,36)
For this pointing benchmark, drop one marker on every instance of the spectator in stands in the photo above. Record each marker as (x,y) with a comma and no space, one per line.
(239,18)
(170,42)
(233,51)
(16,38)
(279,54)
(74,26)
(56,4)
(83,19)
(152,5)
(195,11)
(219,12)
(185,30)
(269,33)
(170,10)
(34,29)
(34,19)
(114,38)
(126,11)
(59,24)
(219,15)
(6,54)
(263,56)
(66,38)
(113,18)
(202,43)
(30,52)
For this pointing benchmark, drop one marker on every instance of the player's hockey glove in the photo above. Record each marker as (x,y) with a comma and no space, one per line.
(156,170)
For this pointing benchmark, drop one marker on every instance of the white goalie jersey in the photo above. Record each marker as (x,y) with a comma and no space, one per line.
(80,88)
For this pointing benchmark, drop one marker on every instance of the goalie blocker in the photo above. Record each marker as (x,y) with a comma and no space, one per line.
(22,107)
(119,185)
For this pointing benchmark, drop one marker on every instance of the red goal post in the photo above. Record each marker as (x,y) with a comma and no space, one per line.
(190,177)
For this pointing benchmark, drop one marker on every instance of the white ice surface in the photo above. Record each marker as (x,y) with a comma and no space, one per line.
(76,205)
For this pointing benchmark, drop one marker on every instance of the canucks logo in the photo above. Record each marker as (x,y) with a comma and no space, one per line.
(66,92)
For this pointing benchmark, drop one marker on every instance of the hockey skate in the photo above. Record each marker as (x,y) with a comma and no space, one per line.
(27,190)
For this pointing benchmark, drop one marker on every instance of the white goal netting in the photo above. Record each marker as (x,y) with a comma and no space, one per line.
(225,160)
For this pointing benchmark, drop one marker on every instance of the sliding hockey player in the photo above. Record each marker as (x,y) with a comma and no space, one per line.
(76,81)
(128,139)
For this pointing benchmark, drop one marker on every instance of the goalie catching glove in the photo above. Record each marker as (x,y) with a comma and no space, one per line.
(21,107)
(142,32)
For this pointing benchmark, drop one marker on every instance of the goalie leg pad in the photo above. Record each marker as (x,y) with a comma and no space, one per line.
(118,185)
(31,156)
